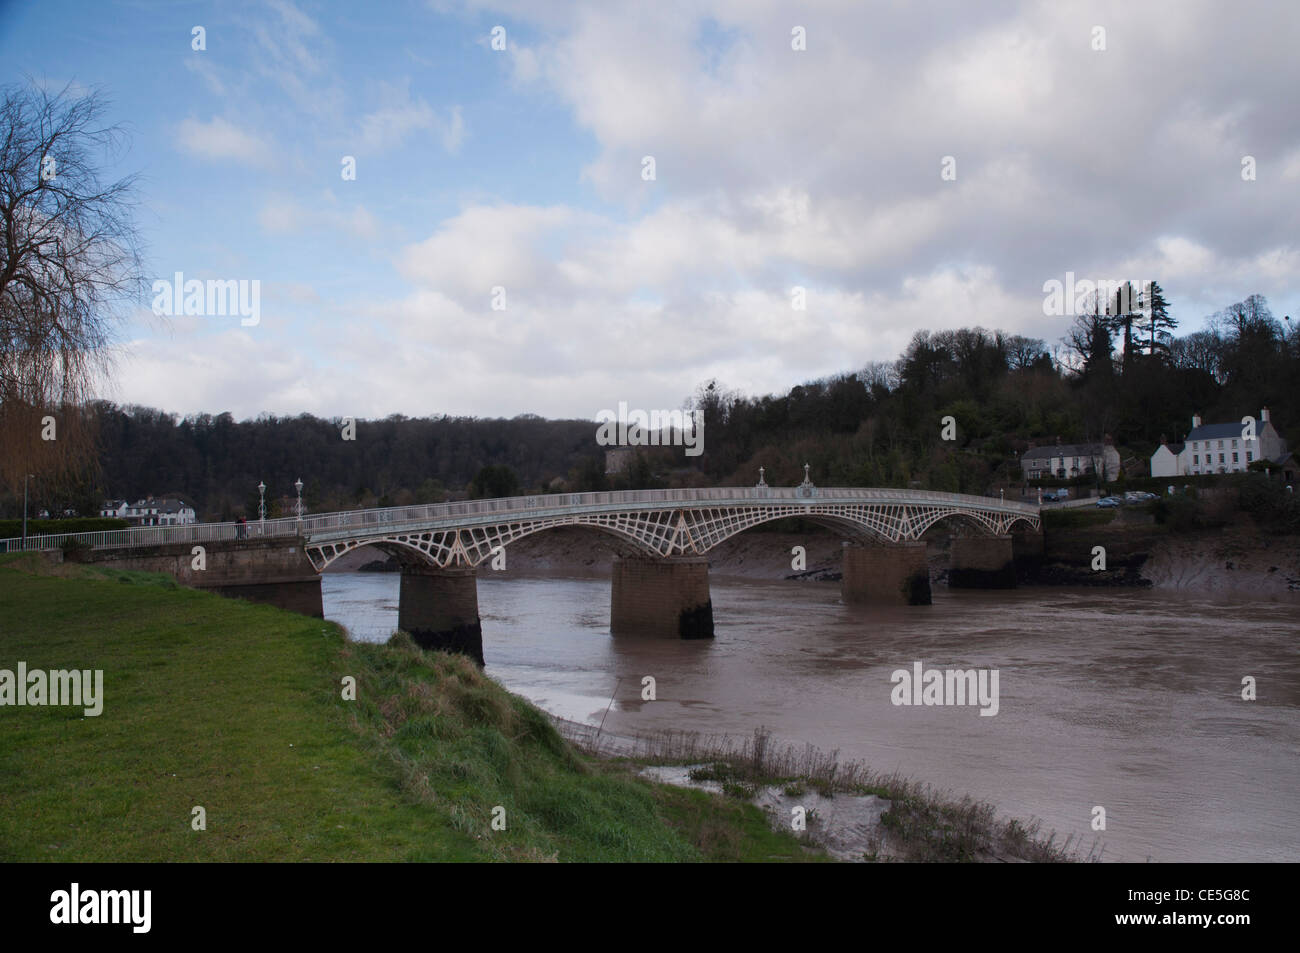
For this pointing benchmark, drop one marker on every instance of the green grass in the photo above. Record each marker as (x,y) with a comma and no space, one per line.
(237,708)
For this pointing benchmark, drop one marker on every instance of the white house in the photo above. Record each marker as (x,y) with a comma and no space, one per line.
(1066,461)
(1219,448)
(1164,462)
(151,512)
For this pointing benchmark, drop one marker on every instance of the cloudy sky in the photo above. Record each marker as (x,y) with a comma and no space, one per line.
(525,169)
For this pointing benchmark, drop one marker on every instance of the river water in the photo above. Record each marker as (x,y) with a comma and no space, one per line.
(1124,699)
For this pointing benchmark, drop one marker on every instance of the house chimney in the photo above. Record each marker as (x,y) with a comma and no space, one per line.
(1263,415)
(1163,441)
(1196,421)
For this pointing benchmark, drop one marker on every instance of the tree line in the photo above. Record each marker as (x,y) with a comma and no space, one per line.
(877,426)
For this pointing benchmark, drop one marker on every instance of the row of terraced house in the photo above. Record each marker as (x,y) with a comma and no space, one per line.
(150,512)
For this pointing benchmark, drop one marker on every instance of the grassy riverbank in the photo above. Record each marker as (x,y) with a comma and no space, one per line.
(237,708)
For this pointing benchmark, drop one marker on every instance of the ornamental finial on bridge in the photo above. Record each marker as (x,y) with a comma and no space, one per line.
(806,490)
(761,481)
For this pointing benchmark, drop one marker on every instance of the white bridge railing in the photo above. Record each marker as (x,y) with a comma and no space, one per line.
(479,511)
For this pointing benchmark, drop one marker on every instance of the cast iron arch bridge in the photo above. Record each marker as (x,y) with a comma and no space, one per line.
(652,523)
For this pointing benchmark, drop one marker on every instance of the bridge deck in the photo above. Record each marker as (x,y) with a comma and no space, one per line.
(476,513)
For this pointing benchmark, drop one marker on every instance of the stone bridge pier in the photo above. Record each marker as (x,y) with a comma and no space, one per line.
(982,562)
(439,609)
(668,598)
(886,574)
(1028,548)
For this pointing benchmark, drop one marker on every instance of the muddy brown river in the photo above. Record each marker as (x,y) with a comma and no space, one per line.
(1123,699)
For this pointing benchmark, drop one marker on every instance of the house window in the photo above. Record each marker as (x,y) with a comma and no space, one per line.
(1195,445)
(1220,456)
(1250,455)
(1196,459)
(1220,444)
(1234,456)
(1234,445)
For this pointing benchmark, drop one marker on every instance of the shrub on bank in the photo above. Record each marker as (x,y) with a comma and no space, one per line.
(11,529)
(1270,504)
(1076,518)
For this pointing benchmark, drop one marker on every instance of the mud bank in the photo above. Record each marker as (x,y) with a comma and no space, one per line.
(1239,559)
(848,827)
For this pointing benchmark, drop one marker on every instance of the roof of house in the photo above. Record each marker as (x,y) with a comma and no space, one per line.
(162,506)
(1063,450)
(1174,448)
(1215,431)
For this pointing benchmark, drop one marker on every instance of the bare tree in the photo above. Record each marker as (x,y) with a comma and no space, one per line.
(1200,350)
(1022,352)
(883,374)
(1088,345)
(69,262)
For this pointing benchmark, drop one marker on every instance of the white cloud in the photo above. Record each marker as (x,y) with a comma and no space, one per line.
(399,116)
(284,216)
(219,139)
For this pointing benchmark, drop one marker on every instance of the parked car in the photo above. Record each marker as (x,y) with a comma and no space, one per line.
(1107,502)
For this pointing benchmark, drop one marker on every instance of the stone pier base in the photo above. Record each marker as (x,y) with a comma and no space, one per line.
(439,608)
(887,574)
(981,562)
(1028,548)
(668,598)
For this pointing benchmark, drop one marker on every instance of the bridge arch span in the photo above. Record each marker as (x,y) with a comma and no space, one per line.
(471,546)
(685,529)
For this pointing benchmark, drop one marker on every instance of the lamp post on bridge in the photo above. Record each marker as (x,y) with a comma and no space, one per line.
(261,502)
(298,486)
